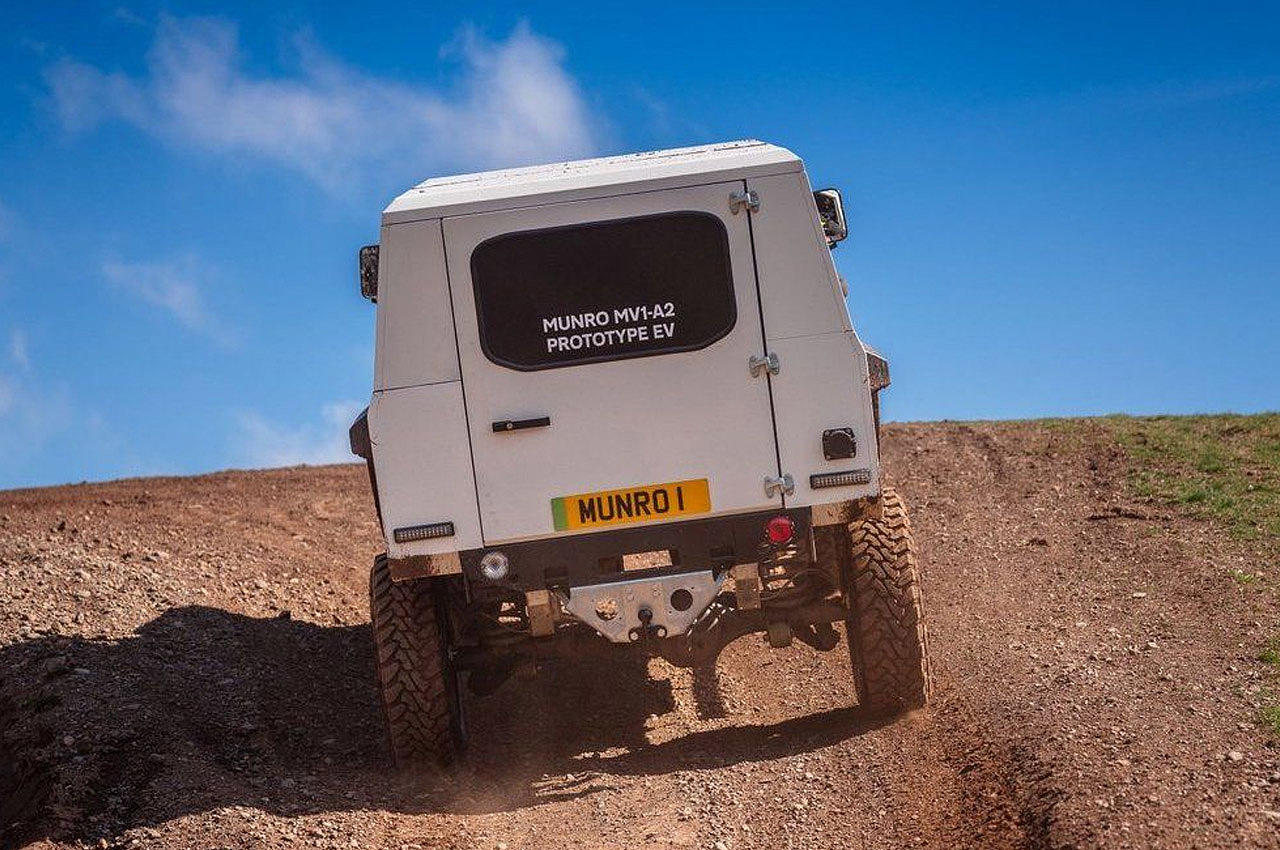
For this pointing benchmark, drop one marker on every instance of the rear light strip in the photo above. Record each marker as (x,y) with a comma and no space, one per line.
(840,479)
(410,533)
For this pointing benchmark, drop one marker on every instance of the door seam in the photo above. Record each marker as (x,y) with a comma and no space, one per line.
(764,346)
(462,384)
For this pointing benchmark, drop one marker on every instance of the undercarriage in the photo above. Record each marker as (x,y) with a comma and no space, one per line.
(687,618)
(782,576)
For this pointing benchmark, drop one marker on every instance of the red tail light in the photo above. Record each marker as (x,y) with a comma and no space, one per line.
(780,529)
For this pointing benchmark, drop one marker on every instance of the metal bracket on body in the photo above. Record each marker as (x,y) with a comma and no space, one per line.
(746,586)
(784,483)
(744,197)
(770,363)
(541,605)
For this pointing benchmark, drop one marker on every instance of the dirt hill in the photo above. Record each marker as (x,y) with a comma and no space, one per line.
(187,663)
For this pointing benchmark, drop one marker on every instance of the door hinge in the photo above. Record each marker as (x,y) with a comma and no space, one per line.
(744,197)
(770,363)
(774,484)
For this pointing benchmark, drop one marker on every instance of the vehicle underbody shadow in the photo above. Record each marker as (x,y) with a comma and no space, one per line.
(706,691)
(202,709)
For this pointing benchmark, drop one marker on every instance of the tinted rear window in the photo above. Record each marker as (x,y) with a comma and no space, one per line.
(604,291)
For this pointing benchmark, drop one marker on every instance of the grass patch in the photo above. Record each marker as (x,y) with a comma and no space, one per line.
(1271,717)
(1222,468)
(1271,655)
(1225,467)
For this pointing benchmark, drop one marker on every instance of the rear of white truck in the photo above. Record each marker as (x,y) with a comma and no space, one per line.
(616,401)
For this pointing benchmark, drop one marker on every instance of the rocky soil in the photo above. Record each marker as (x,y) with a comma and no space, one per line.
(186,663)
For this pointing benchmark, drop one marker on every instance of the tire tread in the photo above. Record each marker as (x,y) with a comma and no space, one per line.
(888,638)
(410,652)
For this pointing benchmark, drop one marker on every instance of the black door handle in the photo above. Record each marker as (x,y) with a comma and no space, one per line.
(520,424)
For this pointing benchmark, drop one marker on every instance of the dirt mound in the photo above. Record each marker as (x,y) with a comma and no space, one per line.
(187,663)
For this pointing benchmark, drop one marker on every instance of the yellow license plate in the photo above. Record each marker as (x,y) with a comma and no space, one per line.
(631,504)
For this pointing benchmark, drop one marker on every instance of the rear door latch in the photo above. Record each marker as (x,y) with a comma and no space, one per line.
(769,363)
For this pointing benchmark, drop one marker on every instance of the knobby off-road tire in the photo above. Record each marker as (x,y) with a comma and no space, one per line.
(888,641)
(419,688)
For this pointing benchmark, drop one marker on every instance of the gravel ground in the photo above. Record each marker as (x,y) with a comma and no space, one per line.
(186,663)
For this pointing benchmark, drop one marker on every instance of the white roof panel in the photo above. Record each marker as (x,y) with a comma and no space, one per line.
(585,178)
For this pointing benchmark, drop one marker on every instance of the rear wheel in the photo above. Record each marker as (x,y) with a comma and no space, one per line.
(419,687)
(888,641)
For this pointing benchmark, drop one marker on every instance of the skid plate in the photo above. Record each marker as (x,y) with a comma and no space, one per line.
(613,609)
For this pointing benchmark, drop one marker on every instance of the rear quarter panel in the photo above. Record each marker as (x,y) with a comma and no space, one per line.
(415,341)
(823,383)
(423,462)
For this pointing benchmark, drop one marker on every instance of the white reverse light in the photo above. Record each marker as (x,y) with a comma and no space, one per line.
(495,565)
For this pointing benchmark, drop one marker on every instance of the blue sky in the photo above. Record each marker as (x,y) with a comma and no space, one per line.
(1057,209)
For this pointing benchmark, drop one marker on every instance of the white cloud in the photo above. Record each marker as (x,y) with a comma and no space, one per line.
(514,103)
(173,286)
(18,349)
(8,395)
(14,388)
(49,436)
(125,15)
(32,412)
(265,443)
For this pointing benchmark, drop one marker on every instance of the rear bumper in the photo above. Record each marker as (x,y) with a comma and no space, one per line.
(699,545)
(716,544)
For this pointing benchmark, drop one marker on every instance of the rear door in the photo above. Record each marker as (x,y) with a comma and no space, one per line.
(604,347)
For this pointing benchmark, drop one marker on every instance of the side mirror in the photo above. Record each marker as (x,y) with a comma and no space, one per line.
(369,272)
(831,213)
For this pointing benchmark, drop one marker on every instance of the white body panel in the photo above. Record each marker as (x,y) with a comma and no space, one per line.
(415,333)
(823,383)
(589,178)
(419,440)
(625,422)
(799,288)
(630,422)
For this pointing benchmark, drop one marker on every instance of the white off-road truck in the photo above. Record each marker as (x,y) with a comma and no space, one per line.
(620,402)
